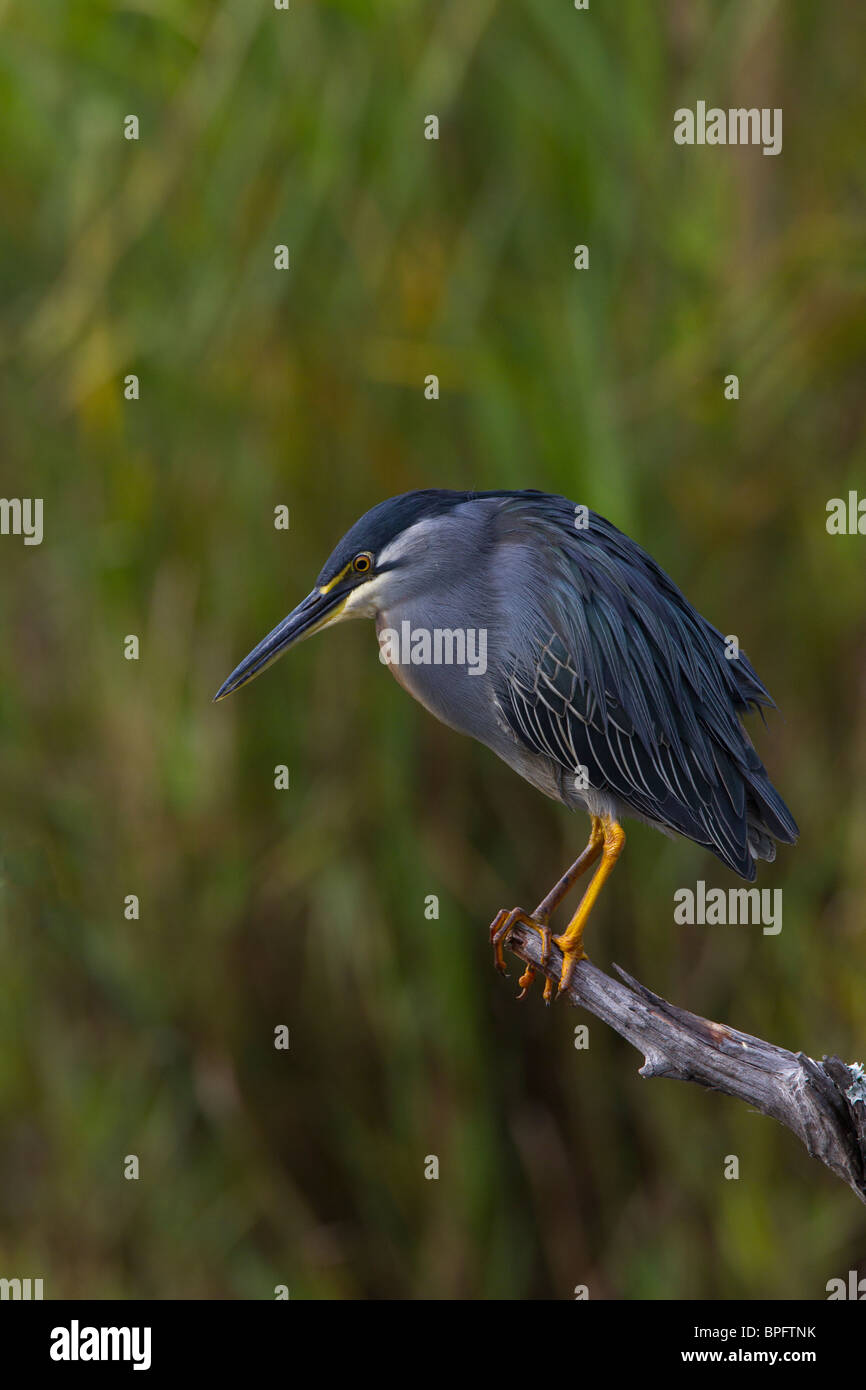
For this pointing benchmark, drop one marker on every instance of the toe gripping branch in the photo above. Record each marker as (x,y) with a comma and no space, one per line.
(606,841)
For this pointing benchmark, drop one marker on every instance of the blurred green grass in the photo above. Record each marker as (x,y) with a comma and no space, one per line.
(154,1037)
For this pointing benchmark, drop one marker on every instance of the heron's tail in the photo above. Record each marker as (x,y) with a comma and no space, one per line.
(768,820)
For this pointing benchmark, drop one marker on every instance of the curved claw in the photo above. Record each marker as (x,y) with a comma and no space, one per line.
(500,930)
(496,940)
(525,982)
(572,952)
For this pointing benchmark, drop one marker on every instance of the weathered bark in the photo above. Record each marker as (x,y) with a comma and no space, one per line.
(824,1103)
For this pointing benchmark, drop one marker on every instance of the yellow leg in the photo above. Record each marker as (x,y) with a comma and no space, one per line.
(501,926)
(571,941)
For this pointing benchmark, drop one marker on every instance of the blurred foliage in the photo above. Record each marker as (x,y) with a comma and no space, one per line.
(306,907)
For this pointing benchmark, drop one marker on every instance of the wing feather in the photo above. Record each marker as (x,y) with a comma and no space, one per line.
(623,677)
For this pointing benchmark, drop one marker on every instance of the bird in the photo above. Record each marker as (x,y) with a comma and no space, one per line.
(534,625)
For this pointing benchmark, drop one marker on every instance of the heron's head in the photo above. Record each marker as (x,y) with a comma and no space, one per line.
(393,553)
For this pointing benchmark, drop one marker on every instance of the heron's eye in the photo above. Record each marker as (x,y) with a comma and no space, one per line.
(362,563)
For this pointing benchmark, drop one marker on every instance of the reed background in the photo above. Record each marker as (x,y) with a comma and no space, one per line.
(154,1037)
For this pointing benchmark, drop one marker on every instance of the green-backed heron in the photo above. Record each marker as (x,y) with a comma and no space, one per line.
(544,632)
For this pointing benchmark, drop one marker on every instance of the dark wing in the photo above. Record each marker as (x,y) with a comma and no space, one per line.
(624,678)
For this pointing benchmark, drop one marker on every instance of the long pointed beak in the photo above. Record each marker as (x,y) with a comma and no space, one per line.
(315,612)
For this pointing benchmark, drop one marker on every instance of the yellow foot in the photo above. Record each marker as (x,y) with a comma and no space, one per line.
(500,930)
(572,952)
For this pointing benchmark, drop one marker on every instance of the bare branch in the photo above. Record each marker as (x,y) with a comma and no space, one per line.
(824,1103)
